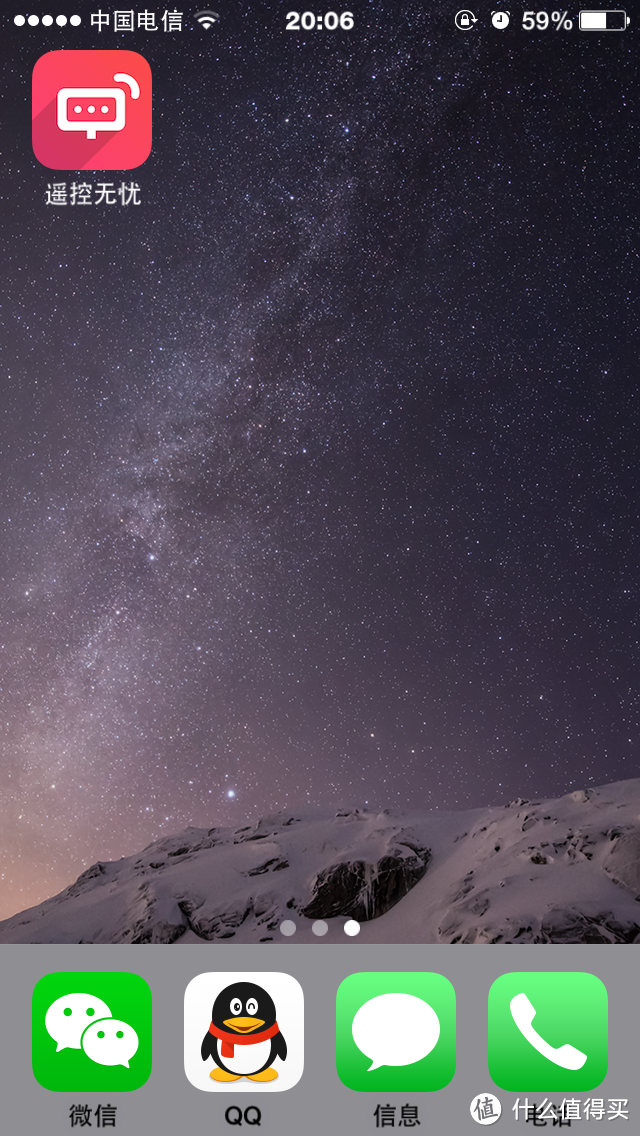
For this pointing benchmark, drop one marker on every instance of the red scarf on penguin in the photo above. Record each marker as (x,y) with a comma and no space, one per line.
(230,1039)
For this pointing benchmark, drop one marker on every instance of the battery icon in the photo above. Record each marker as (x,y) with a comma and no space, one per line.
(603,21)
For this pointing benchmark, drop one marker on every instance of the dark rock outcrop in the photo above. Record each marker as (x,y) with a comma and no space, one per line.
(365,891)
(572,926)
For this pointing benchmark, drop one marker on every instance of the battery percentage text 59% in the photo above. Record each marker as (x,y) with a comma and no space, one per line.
(540,21)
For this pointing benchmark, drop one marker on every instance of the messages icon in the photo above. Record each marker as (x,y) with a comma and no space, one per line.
(395,1032)
(91,1032)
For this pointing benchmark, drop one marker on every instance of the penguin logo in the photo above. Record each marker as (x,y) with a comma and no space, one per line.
(244,1037)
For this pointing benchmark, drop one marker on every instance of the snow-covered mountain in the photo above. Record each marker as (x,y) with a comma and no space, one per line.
(555,871)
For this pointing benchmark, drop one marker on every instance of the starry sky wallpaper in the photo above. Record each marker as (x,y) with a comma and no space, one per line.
(319,466)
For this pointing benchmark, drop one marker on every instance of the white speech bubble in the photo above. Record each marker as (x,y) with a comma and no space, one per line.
(110,1042)
(68,1017)
(395,1029)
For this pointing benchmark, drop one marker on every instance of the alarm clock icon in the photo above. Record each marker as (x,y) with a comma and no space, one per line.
(500,20)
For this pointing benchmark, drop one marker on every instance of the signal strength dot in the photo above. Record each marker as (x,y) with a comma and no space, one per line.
(47,21)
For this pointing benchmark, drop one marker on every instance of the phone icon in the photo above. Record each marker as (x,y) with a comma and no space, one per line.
(566,1050)
(523,1013)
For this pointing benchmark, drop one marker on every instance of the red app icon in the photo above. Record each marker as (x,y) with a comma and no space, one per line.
(91,110)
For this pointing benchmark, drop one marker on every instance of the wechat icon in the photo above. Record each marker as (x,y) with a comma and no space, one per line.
(91,1031)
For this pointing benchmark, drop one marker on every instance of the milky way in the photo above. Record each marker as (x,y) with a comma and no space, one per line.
(318,467)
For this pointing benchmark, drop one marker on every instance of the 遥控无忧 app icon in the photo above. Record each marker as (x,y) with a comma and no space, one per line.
(91,110)
(395,1032)
(91,1031)
(548,1032)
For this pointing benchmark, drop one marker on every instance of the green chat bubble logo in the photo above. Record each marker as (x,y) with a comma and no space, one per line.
(395,1029)
(68,1017)
(110,1042)
(91,1031)
(395,1032)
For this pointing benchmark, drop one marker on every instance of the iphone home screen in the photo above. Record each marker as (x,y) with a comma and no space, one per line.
(319,716)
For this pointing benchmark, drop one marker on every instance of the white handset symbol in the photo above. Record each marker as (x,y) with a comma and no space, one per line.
(523,1014)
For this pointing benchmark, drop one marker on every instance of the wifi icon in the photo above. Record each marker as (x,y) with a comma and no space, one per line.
(206,19)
